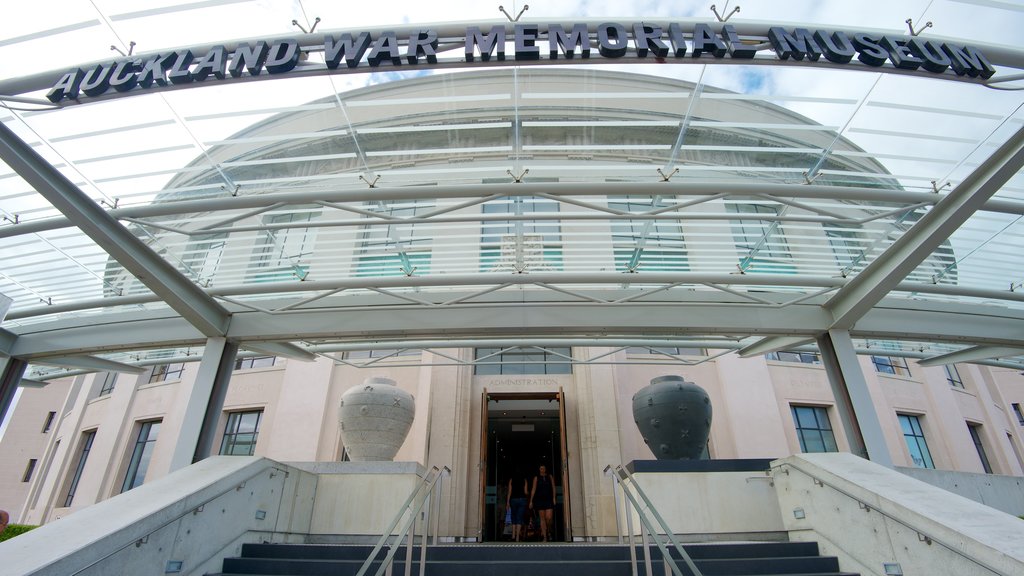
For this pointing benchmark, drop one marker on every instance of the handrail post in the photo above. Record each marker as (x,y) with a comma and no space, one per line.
(647,551)
(615,499)
(425,519)
(629,532)
(437,516)
(408,546)
(661,521)
(417,497)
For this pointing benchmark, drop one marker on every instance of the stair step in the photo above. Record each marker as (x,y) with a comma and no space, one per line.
(536,567)
(536,559)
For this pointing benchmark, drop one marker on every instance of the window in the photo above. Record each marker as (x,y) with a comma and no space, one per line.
(83,456)
(1016,410)
(395,248)
(953,376)
(891,365)
(165,372)
(381,353)
(976,437)
(541,240)
(846,242)
(240,433)
(27,476)
(202,255)
(760,243)
(108,383)
(813,429)
(663,350)
(649,245)
(522,361)
(141,454)
(916,443)
(254,362)
(801,357)
(283,247)
(48,423)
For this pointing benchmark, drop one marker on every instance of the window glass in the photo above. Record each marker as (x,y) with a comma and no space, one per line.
(519,361)
(891,365)
(108,383)
(953,376)
(83,457)
(241,433)
(974,429)
(916,443)
(141,454)
(254,362)
(814,429)
(164,372)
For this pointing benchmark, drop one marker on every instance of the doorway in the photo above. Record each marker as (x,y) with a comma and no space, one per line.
(521,431)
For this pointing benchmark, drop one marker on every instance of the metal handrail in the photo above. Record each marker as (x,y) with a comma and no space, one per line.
(621,476)
(412,506)
(191,510)
(921,533)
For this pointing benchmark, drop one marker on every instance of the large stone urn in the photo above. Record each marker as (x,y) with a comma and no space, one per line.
(674,417)
(375,419)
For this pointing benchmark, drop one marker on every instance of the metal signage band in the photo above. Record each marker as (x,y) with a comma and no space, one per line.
(363,51)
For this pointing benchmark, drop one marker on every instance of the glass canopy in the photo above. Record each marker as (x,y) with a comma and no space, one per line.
(708,182)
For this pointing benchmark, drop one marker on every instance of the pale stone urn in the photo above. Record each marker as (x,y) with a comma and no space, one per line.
(674,417)
(375,419)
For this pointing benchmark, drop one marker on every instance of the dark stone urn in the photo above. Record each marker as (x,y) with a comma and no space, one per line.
(674,417)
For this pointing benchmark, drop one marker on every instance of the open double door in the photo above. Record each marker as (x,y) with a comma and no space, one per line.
(521,431)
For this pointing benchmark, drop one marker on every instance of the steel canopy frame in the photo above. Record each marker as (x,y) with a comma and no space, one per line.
(130,252)
(884,274)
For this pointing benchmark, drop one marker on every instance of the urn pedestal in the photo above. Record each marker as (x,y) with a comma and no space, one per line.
(375,419)
(674,417)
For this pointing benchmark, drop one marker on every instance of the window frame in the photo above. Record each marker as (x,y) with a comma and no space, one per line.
(974,429)
(85,443)
(229,441)
(1018,412)
(794,357)
(502,362)
(142,452)
(820,415)
(166,372)
(30,469)
(953,377)
(107,387)
(891,365)
(920,441)
(254,362)
(51,416)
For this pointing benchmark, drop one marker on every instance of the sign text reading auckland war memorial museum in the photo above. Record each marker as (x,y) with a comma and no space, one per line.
(613,40)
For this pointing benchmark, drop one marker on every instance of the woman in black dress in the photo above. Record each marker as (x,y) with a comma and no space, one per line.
(542,499)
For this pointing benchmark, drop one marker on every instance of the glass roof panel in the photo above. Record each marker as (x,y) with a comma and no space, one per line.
(594,124)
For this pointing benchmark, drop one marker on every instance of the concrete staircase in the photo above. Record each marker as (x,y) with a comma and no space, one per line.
(722,559)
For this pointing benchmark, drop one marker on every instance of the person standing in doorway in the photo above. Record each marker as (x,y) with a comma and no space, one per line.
(542,499)
(517,493)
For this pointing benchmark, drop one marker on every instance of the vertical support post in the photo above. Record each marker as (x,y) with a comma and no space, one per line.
(409,543)
(437,515)
(629,526)
(11,371)
(615,498)
(425,517)
(647,549)
(205,403)
(853,400)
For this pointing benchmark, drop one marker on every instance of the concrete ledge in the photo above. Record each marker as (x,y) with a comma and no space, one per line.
(869,515)
(671,466)
(360,467)
(1004,493)
(193,516)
